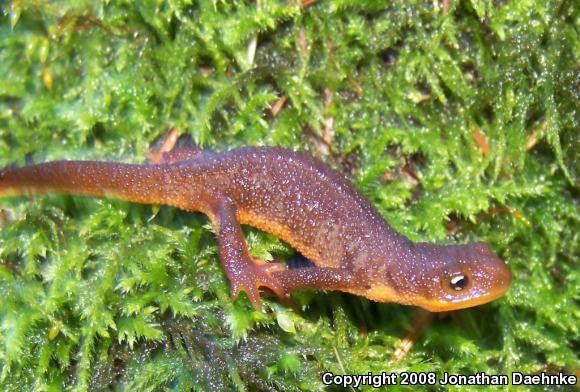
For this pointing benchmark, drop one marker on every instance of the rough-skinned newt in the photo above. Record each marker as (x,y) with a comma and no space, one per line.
(297,198)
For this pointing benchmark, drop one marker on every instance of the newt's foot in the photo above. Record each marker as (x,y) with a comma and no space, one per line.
(256,275)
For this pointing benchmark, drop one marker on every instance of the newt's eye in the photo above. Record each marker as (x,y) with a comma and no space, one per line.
(459,282)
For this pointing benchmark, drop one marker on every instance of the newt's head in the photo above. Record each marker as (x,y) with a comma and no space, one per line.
(447,277)
(469,275)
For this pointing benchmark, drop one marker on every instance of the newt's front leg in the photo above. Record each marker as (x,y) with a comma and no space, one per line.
(244,273)
(319,278)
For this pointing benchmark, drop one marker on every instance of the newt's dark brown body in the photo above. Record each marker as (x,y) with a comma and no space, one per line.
(298,199)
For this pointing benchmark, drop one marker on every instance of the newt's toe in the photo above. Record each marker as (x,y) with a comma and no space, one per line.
(259,275)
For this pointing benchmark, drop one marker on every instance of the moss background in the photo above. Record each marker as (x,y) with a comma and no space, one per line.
(458,119)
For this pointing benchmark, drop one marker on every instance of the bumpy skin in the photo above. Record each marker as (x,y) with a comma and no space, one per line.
(298,199)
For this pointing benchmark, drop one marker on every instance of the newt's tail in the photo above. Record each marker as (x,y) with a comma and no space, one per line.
(135,183)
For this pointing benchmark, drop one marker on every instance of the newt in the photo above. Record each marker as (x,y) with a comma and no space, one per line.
(302,201)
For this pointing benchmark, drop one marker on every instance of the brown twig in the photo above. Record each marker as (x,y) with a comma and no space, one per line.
(481,141)
(278,105)
(502,210)
(445,5)
(532,138)
(421,319)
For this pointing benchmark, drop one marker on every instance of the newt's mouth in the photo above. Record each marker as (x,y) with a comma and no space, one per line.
(447,305)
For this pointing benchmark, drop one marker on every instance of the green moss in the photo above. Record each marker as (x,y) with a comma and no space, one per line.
(105,294)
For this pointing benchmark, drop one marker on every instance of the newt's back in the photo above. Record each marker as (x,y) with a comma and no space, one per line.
(293,196)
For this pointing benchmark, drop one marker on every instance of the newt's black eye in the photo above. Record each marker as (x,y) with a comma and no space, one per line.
(458,282)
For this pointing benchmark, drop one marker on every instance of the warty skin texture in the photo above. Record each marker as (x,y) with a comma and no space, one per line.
(300,200)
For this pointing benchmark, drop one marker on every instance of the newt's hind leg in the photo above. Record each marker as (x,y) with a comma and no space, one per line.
(244,273)
(172,147)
